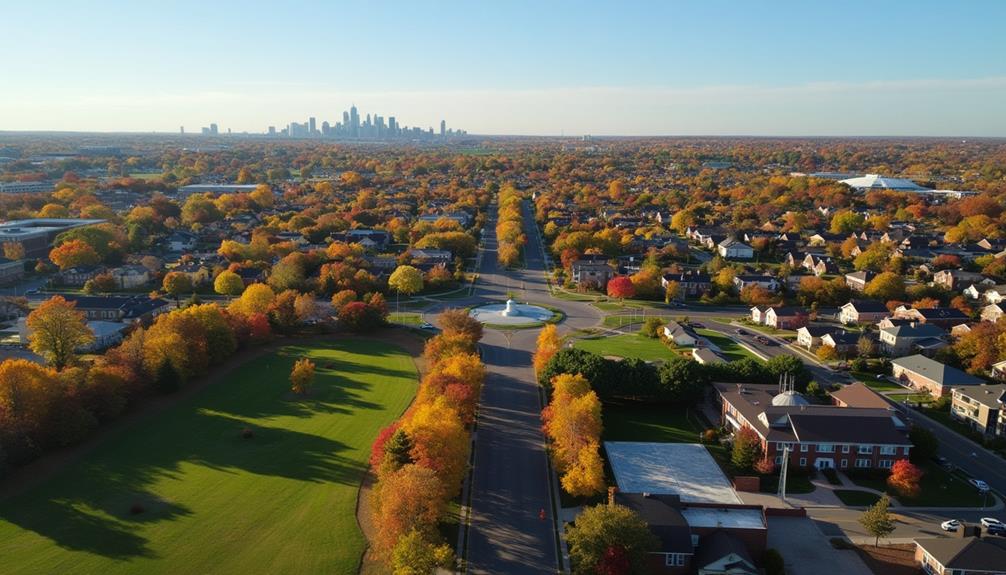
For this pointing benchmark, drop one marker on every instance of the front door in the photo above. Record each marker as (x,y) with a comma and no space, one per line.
(822,463)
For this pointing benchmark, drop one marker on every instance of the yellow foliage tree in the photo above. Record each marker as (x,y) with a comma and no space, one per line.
(302,375)
(548,345)
(439,442)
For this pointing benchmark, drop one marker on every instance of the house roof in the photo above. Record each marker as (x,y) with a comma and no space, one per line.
(969,553)
(867,306)
(661,513)
(936,371)
(719,544)
(878,182)
(914,331)
(988,395)
(859,395)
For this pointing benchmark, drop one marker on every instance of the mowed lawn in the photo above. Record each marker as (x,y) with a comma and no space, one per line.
(631,345)
(731,350)
(281,502)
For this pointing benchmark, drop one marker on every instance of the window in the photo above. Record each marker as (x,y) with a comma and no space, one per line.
(803,447)
(674,560)
(778,460)
(888,450)
(862,463)
(779,445)
(845,449)
(865,449)
(825,448)
(886,464)
(803,462)
(845,463)
(906,449)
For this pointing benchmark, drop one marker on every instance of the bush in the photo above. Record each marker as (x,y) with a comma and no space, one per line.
(710,436)
(860,364)
(774,564)
(651,327)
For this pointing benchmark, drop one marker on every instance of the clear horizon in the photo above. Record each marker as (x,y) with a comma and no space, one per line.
(647,69)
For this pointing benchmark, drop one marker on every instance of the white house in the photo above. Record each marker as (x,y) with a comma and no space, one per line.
(732,249)
(862,311)
(993,312)
(995,294)
(674,332)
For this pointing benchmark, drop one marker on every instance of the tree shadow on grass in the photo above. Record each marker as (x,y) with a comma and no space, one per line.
(90,507)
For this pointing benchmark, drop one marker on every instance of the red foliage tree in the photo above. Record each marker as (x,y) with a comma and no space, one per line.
(621,287)
(905,478)
(259,329)
(377,449)
(615,561)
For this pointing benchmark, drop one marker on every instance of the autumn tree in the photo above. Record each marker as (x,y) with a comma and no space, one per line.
(439,442)
(886,286)
(456,321)
(417,554)
(256,298)
(341,298)
(175,284)
(228,283)
(600,528)
(302,375)
(905,478)
(74,253)
(878,520)
(410,498)
(621,287)
(56,330)
(548,345)
(671,291)
(406,280)
(746,450)
(572,422)
(13,250)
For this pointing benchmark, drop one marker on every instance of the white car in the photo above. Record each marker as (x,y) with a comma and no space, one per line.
(979,484)
(992,523)
(952,525)
(426,325)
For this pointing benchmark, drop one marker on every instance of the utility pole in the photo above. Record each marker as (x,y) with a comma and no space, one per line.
(783,472)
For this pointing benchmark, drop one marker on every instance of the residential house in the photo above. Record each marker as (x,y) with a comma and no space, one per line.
(130,276)
(198,273)
(961,555)
(129,309)
(781,317)
(942,316)
(907,339)
(999,370)
(766,281)
(758,314)
(700,538)
(818,436)
(705,356)
(857,280)
(592,271)
(973,292)
(924,374)
(11,271)
(733,249)
(995,294)
(809,336)
(978,406)
(80,275)
(369,239)
(843,342)
(862,311)
(676,333)
(954,280)
(993,312)
(431,256)
(181,241)
(690,284)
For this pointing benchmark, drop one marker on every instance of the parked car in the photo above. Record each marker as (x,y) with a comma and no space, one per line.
(426,325)
(951,525)
(763,340)
(992,523)
(740,332)
(696,325)
(980,486)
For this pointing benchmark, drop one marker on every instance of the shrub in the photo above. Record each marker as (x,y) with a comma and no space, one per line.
(774,564)
(710,435)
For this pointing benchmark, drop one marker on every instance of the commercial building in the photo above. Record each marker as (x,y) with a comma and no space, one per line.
(25,187)
(979,406)
(36,235)
(924,374)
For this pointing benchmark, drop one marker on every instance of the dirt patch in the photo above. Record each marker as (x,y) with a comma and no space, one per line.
(890,559)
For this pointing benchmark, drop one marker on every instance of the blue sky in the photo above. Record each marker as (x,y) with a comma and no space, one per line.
(546,67)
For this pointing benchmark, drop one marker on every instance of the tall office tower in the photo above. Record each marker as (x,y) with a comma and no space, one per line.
(181,130)
(311,125)
(392,126)
(326,129)
(213,129)
(443,127)
(354,122)
(272,130)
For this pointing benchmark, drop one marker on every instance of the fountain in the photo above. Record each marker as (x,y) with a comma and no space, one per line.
(512,314)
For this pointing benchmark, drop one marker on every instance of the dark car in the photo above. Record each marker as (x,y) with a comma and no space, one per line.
(764,340)
(696,325)
(741,332)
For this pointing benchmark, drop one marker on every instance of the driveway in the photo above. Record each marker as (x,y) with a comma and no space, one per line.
(807,551)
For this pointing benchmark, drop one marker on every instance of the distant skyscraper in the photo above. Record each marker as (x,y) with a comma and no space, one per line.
(354,122)
(213,129)
(272,130)
(326,129)
(311,125)
(181,130)
(443,127)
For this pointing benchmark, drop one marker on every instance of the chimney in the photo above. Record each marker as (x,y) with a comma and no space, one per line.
(611,495)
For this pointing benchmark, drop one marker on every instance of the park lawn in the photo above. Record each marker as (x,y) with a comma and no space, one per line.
(730,349)
(617,321)
(856,498)
(405,318)
(282,501)
(653,422)
(629,345)
(940,488)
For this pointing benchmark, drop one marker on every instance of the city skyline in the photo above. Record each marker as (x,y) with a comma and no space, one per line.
(648,68)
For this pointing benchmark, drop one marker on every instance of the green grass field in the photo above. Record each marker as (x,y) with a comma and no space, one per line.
(731,350)
(648,422)
(405,318)
(282,501)
(631,345)
(856,498)
(940,488)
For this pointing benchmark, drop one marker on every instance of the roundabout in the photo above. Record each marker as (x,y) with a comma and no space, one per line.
(513,315)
